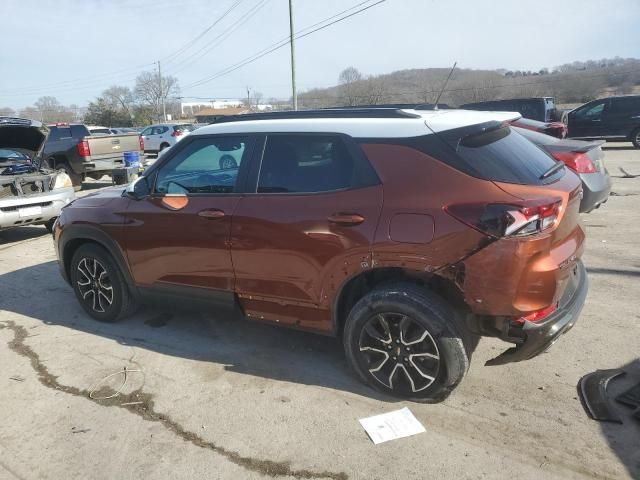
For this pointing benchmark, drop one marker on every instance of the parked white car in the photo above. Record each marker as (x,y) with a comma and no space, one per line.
(160,136)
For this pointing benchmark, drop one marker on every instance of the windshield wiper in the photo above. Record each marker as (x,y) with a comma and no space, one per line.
(556,166)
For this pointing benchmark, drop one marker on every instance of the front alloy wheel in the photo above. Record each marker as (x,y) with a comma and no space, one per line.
(94,285)
(99,284)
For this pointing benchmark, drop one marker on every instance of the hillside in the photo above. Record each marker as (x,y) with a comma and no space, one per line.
(577,82)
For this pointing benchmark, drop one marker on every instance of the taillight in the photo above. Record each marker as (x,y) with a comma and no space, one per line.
(578,162)
(508,220)
(537,316)
(83,149)
(141,140)
(176,133)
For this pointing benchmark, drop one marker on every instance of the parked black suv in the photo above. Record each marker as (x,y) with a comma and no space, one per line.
(613,118)
(542,109)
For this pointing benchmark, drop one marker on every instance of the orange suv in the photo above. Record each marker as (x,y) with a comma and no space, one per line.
(408,232)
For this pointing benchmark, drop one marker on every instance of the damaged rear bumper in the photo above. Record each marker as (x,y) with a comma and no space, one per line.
(539,336)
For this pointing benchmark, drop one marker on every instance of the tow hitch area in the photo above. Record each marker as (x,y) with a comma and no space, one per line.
(592,389)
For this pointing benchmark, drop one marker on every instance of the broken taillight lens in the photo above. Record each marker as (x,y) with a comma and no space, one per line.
(538,315)
(508,220)
(576,161)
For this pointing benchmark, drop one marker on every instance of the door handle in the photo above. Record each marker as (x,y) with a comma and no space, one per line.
(212,214)
(346,219)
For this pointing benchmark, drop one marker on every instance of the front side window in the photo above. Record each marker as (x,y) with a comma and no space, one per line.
(206,165)
(306,164)
(146,131)
(591,112)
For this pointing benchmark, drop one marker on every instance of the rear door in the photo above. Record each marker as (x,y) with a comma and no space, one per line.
(588,121)
(623,116)
(308,225)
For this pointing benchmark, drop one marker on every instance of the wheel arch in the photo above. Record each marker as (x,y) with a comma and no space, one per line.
(355,287)
(76,236)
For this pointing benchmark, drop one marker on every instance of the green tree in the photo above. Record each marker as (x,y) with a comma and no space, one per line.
(102,112)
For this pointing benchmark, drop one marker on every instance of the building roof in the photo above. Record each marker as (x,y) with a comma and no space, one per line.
(214,112)
(412,125)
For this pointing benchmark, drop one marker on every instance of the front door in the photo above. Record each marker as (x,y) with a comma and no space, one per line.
(306,229)
(589,121)
(177,240)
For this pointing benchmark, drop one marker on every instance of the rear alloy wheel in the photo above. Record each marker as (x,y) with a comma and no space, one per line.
(399,351)
(635,138)
(405,341)
(99,285)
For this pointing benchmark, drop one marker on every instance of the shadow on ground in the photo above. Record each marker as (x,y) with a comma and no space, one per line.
(619,147)
(241,346)
(20,234)
(96,184)
(624,439)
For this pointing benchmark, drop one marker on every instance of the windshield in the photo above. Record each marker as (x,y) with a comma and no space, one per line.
(9,154)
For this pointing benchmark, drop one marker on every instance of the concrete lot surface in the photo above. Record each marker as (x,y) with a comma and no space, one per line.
(216,397)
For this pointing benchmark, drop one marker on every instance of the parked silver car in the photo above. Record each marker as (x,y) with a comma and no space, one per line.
(163,135)
(29,193)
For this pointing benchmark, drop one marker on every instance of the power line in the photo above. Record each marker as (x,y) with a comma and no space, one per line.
(277,46)
(168,58)
(205,49)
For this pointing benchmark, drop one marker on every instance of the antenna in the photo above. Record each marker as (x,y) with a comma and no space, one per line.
(435,106)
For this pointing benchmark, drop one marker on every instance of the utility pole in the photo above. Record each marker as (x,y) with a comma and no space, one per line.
(164,111)
(293,58)
(248,98)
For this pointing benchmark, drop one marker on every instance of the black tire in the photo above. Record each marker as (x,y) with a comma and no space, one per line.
(49,224)
(635,138)
(420,376)
(114,300)
(76,179)
(163,146)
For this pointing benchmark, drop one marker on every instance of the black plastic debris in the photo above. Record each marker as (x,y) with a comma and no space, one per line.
(592,389)
(631,397)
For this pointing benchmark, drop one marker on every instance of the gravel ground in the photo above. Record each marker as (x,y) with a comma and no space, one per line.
(220,398)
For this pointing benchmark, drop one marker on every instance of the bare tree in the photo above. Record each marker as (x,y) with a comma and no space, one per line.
(7,112)
(50,110)
(149,93)
(119,98)
(348,79)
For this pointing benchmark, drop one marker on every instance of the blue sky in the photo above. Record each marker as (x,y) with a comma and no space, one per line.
(74,49)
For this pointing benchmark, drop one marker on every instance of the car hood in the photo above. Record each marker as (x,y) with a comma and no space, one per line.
(98,199)
(27,136)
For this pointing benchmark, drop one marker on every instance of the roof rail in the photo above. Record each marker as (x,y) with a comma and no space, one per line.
(349,112)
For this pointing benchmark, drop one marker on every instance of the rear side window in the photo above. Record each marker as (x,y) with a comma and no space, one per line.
(79,131)
(57,133)
(626,105)
(309,164)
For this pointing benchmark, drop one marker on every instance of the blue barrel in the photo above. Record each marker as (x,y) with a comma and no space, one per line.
(131,159)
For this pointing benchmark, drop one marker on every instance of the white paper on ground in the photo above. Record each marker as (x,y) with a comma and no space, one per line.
(390,426)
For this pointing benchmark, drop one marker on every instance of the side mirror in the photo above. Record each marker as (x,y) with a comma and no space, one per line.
(138,189)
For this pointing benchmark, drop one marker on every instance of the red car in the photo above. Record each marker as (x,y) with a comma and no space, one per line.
(555,129)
